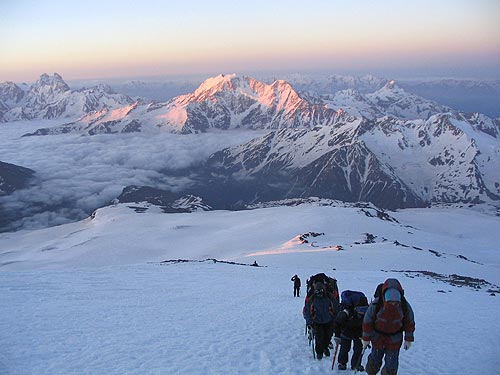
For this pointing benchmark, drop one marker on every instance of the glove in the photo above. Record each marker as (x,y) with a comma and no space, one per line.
(407,345)
(337,340)
(366,344)
(309,327)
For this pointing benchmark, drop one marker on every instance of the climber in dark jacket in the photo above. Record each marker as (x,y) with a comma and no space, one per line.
(348,329)
(319,312)
(296,286)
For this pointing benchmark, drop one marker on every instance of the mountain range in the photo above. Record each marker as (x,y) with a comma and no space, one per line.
(389,146)
(51,98)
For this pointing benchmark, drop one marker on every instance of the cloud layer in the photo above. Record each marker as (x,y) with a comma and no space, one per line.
(82,173)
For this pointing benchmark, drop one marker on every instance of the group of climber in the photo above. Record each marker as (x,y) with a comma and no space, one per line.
(351,321)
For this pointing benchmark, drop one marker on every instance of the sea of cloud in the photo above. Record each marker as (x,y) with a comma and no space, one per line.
(76,174)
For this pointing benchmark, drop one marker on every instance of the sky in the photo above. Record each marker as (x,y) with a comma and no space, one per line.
(110,39)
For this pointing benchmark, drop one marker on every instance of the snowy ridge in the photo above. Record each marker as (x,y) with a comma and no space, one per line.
(51,98)
(222,102)
(144,197)
(443,159)
(231,101)
(389,100)
(393,100)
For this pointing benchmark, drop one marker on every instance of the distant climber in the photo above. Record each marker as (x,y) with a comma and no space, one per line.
(296,286)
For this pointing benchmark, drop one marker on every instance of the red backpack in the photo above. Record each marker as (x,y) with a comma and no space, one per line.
(389,317)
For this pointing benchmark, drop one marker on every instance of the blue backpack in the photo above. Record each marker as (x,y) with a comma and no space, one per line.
(354,301)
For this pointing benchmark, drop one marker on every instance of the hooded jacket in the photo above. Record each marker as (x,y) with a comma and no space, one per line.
(384,323)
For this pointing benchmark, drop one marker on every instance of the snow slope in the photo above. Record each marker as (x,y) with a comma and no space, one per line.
(92,297)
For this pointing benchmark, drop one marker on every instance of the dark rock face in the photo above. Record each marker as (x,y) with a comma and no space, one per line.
(169,202)
(352,174)
(13,177)
(349,173)
(146,194)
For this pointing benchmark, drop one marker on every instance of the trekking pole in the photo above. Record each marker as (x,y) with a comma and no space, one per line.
(360,359)
(335,354)
(314,351)
(311,341)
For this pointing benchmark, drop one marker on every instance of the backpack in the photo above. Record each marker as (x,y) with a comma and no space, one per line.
(379,304)
(351,299)
(354,303)
(329,282)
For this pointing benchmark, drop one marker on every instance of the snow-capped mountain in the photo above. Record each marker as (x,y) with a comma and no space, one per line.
(389,100)
(466,95)
(393,100)
(447,158)
(390,162)
(230,102)
(397,150)
(51,98)
(353,102)
(223,102)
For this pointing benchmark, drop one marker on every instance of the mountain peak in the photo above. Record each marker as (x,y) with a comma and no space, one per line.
(391,85)
(217,83)
(55,81)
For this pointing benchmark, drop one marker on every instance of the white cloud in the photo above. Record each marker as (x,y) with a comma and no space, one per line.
(85,172)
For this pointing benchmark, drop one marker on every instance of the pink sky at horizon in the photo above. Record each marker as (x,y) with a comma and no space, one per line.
(127,39)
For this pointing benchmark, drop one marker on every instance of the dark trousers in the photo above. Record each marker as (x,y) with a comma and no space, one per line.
(345,347)
(323,334)
(296,291)
(375,361)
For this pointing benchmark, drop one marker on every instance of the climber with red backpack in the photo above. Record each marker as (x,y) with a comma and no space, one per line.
(387,321)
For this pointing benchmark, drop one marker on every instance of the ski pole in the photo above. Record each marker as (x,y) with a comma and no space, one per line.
(335,354)
(310,337)
(314,351)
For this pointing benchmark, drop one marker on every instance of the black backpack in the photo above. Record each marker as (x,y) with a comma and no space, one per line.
(329,282)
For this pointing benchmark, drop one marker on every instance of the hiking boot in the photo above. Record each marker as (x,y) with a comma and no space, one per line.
(342,367)
(360,368)
(327,352)
(319,356)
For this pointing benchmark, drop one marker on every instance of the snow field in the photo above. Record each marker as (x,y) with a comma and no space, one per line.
(204,318)
(91,298)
